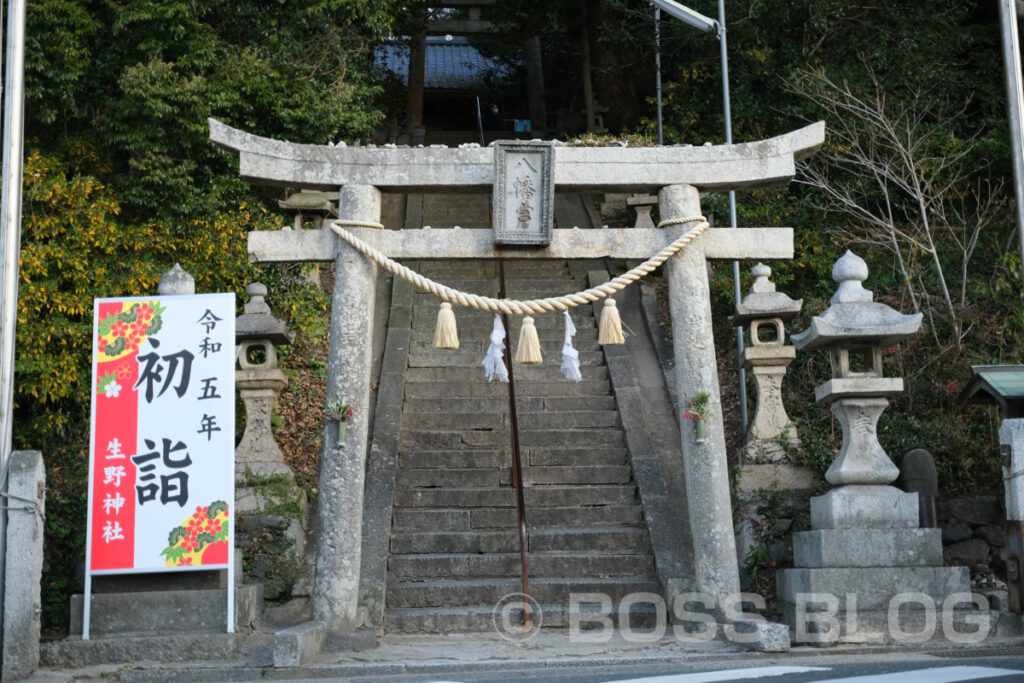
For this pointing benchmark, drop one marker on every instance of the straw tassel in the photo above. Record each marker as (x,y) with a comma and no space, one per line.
(610,331)
(528,350)
(446,335)
(570,356)
(494,361)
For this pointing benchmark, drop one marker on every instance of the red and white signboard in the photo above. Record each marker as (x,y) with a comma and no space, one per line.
(161,460)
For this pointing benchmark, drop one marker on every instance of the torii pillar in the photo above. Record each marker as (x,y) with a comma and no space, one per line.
(679,174)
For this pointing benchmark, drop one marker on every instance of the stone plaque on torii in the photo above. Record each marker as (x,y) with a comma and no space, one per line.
(676,174)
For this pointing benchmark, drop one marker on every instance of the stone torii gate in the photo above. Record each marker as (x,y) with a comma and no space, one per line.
(678,174)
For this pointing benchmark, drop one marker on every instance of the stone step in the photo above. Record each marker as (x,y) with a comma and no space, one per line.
(561,564)
(549,438)
(459,358)
(430,520)
(534,497)
(568,419)
(455,421)
(577,474)
(528,270)
(525,373)
(503,541)
(528,420)
(427,439)
(490,591)
(532,458)
(474,618)
(459,459)
(498,436)
(431,389)
(521,269)
(455,498)
(524,404)
(415,520)
(483,477)
(480,477)
(440,476)
(615,540)
(594,455)
(569,517)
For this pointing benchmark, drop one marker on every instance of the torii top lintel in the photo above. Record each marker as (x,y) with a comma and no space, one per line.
(438,169)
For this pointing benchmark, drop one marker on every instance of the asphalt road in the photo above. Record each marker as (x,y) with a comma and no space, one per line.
(989,665)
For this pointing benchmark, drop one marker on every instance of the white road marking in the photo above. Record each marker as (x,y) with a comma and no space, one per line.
(942,674)
(727,675)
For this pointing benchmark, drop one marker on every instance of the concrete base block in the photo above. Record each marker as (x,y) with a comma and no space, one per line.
(73,652)
(868,548)
(167,612)
(775,477)
(902,627)
(868,588)
(299,645)
(762,636)
(865,507)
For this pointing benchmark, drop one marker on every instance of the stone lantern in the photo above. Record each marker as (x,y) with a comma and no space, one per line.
(311,203)
(865,552)
(259,380)
(767,358)
(855,329)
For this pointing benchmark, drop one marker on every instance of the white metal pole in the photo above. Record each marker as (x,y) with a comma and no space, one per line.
(732,214)
(10,244)
(657,67)
(1014,106)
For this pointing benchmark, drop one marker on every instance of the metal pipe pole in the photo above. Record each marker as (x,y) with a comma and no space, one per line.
(732,213)
(1014,106)
(657,68)
(10,244)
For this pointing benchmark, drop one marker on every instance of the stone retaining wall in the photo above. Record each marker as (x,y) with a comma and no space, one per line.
(973,535)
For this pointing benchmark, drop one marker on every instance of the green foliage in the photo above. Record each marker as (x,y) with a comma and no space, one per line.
(121,182)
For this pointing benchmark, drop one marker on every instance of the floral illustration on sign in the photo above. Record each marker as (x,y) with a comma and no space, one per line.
(121,333)
(201,539)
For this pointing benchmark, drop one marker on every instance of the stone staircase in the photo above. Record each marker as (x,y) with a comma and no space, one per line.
(454,549)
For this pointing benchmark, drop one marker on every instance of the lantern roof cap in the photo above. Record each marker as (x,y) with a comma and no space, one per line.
(257,322)
(854,317)
(763,301)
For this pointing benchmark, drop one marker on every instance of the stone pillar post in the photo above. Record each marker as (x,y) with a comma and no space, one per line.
(342,468)
(22,605)
(705,466)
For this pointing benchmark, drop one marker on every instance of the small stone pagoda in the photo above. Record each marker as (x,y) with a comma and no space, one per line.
(865,552)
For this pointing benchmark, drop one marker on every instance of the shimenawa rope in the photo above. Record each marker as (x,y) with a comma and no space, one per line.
(512,306)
